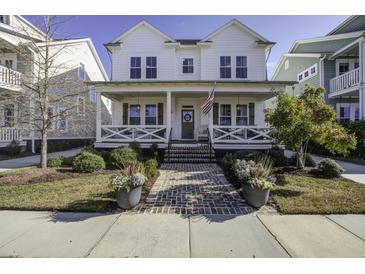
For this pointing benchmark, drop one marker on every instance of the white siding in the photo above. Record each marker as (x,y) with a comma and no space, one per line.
(232,41)
(143,42)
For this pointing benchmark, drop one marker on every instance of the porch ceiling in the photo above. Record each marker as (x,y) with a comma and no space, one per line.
(345,93)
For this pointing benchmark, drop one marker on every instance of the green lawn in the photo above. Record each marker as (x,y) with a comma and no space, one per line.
(89,193)
(295,194)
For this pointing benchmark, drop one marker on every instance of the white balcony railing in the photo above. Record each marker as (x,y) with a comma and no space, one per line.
(242,135)
(345,81)
(139,133)
(10,77)
(8,134)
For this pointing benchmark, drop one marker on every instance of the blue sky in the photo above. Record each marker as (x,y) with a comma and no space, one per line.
(281,29)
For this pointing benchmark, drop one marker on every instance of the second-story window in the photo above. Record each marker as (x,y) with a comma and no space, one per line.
(225,67)
(188,65)
(4,19)
(135,68)
(151,67)
(241,66)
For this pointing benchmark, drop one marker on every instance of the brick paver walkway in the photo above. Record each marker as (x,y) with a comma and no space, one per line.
(193,189)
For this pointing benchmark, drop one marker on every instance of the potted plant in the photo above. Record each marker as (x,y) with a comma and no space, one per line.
(128,185)
(256,180)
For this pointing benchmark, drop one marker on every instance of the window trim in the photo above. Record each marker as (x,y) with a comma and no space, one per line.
(225,67)
(242,116)
(242,67)
(224,116)
(150,67)
(130,67)
(145,114)
(130,116)
(182,65)
(309,71)
(82,71)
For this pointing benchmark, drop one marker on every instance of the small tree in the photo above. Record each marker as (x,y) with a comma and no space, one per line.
(298,120)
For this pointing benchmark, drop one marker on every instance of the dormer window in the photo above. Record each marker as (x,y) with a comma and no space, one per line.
(225,67)
(135,70)
(82,72)
(151,67)
(5,19)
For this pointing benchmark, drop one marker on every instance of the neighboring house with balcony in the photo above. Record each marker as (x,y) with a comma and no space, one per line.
(160,83)
(336,62)
(77,61)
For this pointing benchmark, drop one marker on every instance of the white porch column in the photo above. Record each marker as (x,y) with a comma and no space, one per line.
(168,115)
(362,79)
(98,116)
(210,124)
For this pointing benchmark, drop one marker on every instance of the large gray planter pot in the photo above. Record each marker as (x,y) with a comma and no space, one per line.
(127,200)
(255,197)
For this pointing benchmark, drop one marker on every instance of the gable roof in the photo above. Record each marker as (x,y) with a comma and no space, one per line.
(352,23)
(142,23)
(91,47)
(240,25)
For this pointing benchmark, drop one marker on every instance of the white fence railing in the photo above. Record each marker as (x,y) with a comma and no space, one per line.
(9,76)
(8,134)
(345,81)
(241,135)
(139,133)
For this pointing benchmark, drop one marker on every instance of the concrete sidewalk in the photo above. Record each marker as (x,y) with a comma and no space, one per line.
(46,234)
(352,171)
(34,160)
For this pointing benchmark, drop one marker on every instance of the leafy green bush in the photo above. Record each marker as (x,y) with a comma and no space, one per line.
(150,168)
(13,149)
(90,149)
(88,162)
(329,168)
(154,151)
(136,147)
(278,157)
(357,128)
(309,162)
(122,157)
(228,161)
(56,161)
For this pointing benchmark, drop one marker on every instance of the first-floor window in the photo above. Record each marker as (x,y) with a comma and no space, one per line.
(81,105)
(345,113)
(135,67)
(62,119)
(135,115)
(225,115)
(9,115)
(241,115)
(151,115)
(357,113)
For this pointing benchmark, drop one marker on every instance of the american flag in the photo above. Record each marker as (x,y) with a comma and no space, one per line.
(208,103)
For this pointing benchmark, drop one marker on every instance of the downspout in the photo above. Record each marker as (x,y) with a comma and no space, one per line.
(267,59)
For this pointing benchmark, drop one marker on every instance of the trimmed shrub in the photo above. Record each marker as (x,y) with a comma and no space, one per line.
(136,147)
(90,149)
(309,162)
(154,151)
(55,161)
(150,168)
(278,157)
(88,162)
(329,168)
(13,149)
(122,157)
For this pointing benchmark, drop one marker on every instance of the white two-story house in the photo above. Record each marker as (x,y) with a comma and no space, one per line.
(76,61)
(159,84)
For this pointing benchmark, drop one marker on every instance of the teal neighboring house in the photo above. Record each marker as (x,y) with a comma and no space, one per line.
(336,62)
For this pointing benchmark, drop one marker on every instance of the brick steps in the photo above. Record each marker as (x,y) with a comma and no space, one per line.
(189,154)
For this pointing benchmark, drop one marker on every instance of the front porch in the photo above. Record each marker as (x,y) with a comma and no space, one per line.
(236,120)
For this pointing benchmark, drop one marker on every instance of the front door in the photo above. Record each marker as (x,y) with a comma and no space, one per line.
(187,124)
